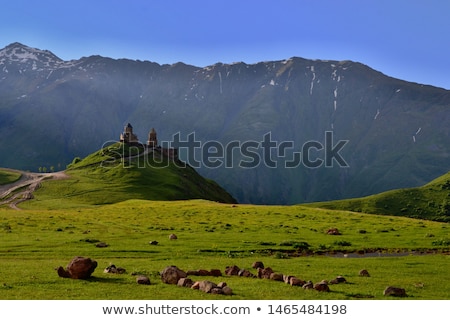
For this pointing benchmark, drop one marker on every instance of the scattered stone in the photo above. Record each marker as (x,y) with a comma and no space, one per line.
(113,269)
(333,232)
(153,243)
(338,279)
(196,285)
(258,264)
(206,286)
(143,280)
(364,273)
(172,274)
(276,276)
(232,271)
(215,273)
(287,278)
(293,281)
(245,273)
(173,237)
(264,273)
(216,290)
(192,272)
(308,285)
(78,268)
(395,292)
(185,282)
(101,245)
(321,286)
(203,273)
(222,284)
(227,291)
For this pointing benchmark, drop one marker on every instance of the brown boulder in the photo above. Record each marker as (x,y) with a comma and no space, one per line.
(276,276)
(258,264)
(245,273)
(264,273)
(185,282)
(143,280)
(206,286)
(227,291)
(78,268)
(395,292)
(308,285)
(333,232)
(215,273)
(232,271)
(293,281)
(338,279)
(203,273)
(322,286)
(172,274)
(364,273)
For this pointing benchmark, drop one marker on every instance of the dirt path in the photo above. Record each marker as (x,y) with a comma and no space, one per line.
(22,190)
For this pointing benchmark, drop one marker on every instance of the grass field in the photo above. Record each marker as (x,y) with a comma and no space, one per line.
(290,239)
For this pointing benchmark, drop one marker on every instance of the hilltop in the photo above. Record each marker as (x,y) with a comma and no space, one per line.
(118,173)
(430,201)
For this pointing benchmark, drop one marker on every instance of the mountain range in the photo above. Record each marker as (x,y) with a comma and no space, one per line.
(386,133)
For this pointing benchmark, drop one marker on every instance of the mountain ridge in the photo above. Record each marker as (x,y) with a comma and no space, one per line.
(397,130)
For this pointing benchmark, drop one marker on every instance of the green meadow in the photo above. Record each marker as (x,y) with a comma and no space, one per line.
(292,240)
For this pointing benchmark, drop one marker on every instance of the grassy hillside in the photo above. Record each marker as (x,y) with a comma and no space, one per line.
(121,172)
(8,176)
(289,239)
(431,201)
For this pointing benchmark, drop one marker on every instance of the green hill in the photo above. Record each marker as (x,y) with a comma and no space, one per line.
(121,172)
(431,202)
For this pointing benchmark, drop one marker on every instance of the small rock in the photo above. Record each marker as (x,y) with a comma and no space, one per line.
(173,237)
(143,280)
(101,245)
(227,291)
(153,243)
(232,271)
(258,264)
(215,273)
(395,292)
(333,232)
(276,277)
(308,285)
(264,273)
(321,287)
(293,281)
(364,273)
(185,282)
(206,286)
(222,284)
(245,273)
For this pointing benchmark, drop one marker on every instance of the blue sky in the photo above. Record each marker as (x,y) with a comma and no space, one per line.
(406,39)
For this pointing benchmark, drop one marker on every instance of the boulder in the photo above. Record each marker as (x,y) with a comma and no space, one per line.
(264,273)
(308,285)
(322,286)
(227,291)
(232,271)
(215,273)
(206,286)
(293,281)
(395,292)
(276,276)
(142,280)
(245,273)
(338,279)
(185,282)
(333,232)
(258,264)
(113,269)
(172,274)
(203,273)
(364,273)
(78,268)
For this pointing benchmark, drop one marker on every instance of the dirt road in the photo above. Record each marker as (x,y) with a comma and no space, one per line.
(14,193)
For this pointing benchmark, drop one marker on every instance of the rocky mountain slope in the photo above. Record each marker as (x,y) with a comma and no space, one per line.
(385,133)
